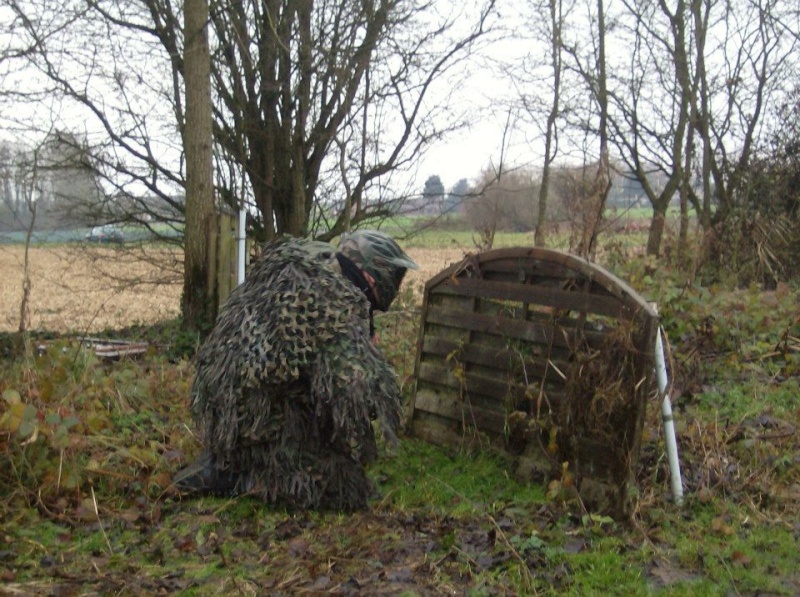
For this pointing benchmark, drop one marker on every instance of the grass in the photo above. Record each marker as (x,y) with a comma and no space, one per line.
(88,449)
(421,475)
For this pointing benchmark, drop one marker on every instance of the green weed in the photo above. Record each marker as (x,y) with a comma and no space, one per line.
(88,449)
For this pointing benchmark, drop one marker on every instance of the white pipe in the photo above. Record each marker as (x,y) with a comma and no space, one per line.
(241,245)
(669,423)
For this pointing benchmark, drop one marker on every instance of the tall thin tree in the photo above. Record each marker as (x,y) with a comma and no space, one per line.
(199,296)
(551,133)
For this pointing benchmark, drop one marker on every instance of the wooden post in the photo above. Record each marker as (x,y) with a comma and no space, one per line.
(224,258)
(213,249)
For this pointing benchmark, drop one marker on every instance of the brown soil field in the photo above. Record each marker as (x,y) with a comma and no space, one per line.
(88,289)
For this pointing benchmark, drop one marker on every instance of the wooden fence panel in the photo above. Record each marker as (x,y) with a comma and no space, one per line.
(545,354)
(224,256)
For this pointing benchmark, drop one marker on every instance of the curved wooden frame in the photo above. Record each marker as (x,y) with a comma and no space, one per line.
(500,331)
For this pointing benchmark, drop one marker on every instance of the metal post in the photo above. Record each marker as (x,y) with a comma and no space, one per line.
(669,423)
(241,245)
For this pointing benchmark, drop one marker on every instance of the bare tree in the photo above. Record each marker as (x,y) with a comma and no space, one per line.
(297,79)
(294,80)
(589,63)
(651,110)
(551,132)
(753,65)
(316,104)
(723,105)
(602,180)
(700,10)
(87,69)
(505,202)
(30,191)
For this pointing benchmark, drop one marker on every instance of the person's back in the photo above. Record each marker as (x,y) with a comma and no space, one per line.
(287,384)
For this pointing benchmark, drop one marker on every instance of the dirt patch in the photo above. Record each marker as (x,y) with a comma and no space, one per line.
(86,290)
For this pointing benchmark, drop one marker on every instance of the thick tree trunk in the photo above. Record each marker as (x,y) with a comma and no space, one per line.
(656,230)
(199,297)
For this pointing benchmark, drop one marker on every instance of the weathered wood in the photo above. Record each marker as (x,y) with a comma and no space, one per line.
(105,348)
(535,259)
(500,334)
(495,383)
(225,250)
(436,430)
(555,298)
(502,359)
(536,332)
(462,411)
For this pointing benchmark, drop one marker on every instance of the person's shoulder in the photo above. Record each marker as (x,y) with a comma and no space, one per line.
(320,251)
(313,253)
(317,248)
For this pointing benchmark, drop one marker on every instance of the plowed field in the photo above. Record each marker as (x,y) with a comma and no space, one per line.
(85,290)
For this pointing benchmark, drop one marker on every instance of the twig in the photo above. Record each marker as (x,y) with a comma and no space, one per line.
(526,574)
(60,468)
(730,574)
(100,522)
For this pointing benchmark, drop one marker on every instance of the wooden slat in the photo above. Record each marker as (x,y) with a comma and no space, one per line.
(536,331)
(501,359)
(223,268)
(487,391)
(436,430)
(471,414)
(551,297)
(452,302)
(543,270)
(535,257)
(522,334)
(494,388)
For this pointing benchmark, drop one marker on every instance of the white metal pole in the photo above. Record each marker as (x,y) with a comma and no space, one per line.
(669,423)
(241,245)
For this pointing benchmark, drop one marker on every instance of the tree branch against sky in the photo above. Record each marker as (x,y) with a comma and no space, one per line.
(100,83)
(651,105)
(399,102)
(318,106)
(755,63)
(289,79)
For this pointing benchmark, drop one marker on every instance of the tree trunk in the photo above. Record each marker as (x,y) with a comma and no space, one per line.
(602,182)
(199,296)
(549,153)
(656,229)
(683,235)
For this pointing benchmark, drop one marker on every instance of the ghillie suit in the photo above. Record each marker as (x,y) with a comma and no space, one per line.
(287,384)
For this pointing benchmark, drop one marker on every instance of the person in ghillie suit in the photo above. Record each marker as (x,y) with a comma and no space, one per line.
(290,378)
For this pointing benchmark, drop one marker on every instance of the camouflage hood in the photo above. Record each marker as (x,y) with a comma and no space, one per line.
(382,258)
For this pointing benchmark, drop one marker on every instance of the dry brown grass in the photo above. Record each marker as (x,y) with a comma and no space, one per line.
(86,290)
(431,262)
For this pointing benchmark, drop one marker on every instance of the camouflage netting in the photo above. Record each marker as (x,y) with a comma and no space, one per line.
(288,382)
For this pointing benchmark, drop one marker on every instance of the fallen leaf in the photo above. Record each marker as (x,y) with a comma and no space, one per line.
(574,545)
(718,525)
(298,547)
(740,558)
(11,397)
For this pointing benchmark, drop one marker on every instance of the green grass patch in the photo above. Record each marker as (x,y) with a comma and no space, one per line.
(88,449)
(421,475)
